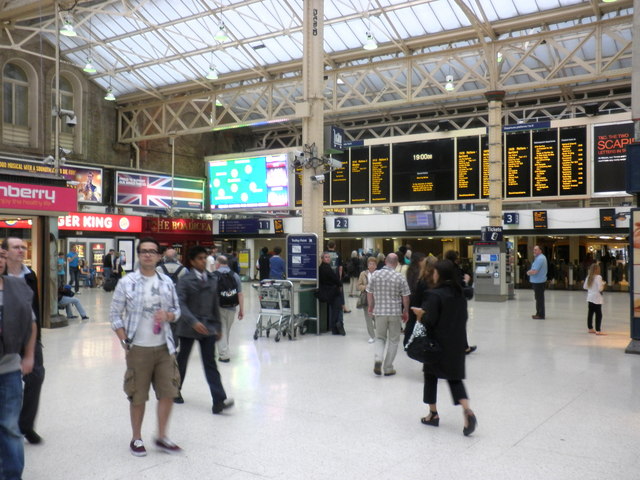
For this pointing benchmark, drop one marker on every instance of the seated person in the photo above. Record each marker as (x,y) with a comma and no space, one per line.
(66,299)
(85,273)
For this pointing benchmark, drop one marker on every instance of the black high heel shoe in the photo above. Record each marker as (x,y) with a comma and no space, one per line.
(433,419)
(471,422)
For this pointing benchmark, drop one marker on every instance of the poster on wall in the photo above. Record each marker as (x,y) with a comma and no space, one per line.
(610,155)
(127,255)
(87,181)
(159,191)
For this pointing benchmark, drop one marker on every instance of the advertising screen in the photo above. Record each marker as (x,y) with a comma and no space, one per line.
(609,156)
(260,181)
(419,220)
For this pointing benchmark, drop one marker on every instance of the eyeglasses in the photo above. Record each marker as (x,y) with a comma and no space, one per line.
(148,252)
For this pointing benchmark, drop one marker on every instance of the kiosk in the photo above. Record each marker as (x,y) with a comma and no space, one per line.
(490,271)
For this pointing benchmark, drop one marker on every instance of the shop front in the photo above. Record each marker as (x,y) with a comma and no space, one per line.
(29,207)
(179,233)
(93,235)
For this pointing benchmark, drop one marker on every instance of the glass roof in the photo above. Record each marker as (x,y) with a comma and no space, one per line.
(149,49)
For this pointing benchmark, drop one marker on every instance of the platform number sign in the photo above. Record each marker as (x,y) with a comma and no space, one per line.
(264,224)
(511,218)
(341,222)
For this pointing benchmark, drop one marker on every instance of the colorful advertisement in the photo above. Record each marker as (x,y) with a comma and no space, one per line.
(159,191)
(24,196)
(96,222)
(261,181)
(87,181)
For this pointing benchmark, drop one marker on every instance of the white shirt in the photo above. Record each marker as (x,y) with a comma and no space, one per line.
(594,293)
(151,298)
(211,263)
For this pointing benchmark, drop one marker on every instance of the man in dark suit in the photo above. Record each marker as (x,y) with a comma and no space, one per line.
(200,320)
(108,262)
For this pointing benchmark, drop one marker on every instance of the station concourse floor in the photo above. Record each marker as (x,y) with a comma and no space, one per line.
(552,402)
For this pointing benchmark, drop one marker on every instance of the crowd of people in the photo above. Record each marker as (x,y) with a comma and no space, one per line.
(160,309)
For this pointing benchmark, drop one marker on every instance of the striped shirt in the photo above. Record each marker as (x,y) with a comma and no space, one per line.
(128,303)
(388,287)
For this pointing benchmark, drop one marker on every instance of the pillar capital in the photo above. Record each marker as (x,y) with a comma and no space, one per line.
(495,95)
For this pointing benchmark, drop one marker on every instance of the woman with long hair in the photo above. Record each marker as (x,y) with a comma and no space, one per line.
(444,313)
(594,285)
(419,276)
(353,270)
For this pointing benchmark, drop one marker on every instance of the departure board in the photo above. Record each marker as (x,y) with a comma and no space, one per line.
(380,174)
(298,187)
(518,162)
(610,155)
(573,161)
(423,171)
(326,190)
(340,182)
(484,182)
(545,163)
(468,165)
(359,165)
(539,219)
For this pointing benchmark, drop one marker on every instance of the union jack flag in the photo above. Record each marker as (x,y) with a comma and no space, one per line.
(154,191)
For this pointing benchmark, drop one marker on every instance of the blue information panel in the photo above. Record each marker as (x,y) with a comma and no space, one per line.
(240,226)
(302,257)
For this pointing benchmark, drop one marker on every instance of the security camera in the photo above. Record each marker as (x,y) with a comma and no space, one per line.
(332,163)
(71,121)
(49,160)
(65,151)
(297,159)
(317,178)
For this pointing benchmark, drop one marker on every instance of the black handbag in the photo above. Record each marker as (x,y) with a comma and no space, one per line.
(422,348)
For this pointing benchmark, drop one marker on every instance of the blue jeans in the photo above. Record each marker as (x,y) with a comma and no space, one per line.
(11,442)
(66,302)
(74,277)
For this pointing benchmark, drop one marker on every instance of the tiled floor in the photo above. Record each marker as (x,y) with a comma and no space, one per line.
(552,402)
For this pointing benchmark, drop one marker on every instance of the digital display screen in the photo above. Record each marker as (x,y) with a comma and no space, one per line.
(518,165)
(573,161)
(539,219)
(468,165)
(340,182)
(298,186)
(484,179)
(380,175)
(260,181)
(545,163)
(607,218)
(423,171)
(609,156)
(420,220)
(359,165)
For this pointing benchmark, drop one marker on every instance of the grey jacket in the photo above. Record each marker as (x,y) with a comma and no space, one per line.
(198,303)
(18,319)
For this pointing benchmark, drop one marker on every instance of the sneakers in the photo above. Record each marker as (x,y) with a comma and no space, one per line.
(377,368)
(224,360)
(371,340)
(85,318)
(167,446)
(218,407)
(389,373)
(137,448)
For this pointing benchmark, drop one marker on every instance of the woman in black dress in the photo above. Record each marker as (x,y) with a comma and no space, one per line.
(444,313)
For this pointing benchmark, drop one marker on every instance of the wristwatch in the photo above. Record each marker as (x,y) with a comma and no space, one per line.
(125,343)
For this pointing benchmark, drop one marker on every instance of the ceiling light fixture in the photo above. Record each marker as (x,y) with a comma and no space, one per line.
(449,87)
(89,68)
(221,35)
(499,57)
(213,73)
(110,96)
(67,28)
(370,43)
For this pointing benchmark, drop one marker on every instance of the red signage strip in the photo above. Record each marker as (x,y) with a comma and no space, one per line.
(24,196)
(179,226)
(95,222)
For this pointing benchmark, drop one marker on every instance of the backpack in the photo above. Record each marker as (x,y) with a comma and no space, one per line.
(173,276)
(227,290)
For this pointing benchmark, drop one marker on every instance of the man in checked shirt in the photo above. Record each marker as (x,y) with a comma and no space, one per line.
(388,299)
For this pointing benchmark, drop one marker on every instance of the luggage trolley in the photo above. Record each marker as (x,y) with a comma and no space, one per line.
(276,308)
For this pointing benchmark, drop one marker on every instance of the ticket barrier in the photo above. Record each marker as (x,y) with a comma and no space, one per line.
(490,279)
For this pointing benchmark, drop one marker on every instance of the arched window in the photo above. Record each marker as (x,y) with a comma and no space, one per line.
(66,101)
(15,96)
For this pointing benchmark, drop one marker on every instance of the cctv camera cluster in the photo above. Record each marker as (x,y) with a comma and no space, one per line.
(308,158)
(69,116)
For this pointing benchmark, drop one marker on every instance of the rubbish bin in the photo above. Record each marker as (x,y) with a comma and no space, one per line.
(307,304)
